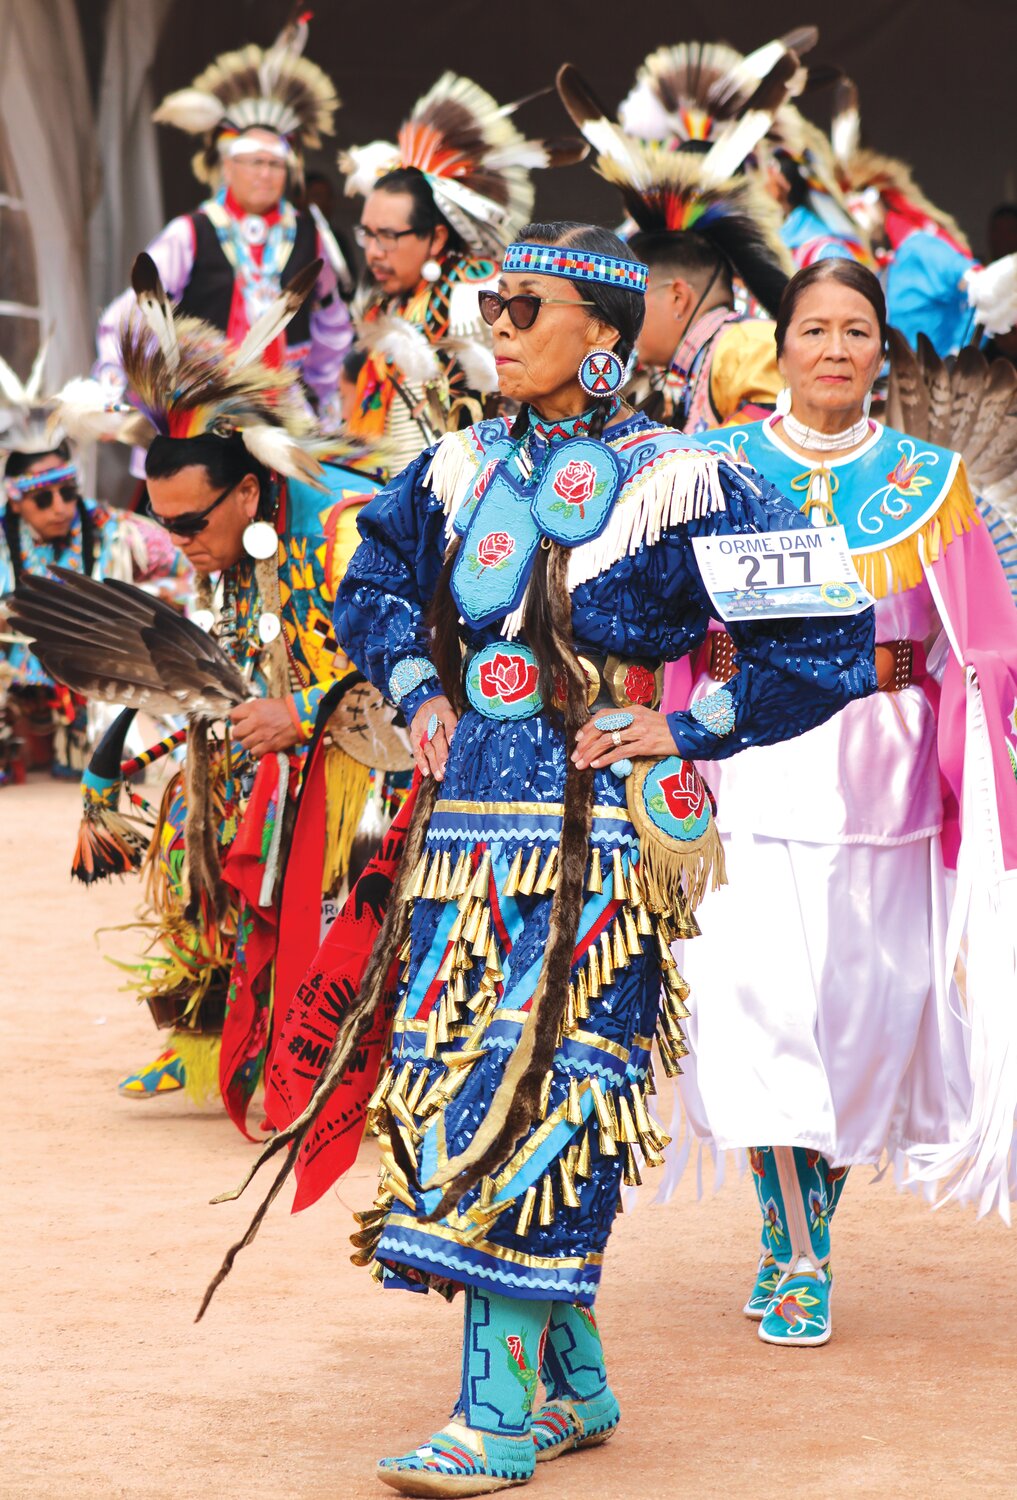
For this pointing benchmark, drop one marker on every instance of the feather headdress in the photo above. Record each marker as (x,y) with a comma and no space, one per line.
(863,173)
(274,88)
(476,162)
(26,414)
(184,379)
(691,91)
(676,192)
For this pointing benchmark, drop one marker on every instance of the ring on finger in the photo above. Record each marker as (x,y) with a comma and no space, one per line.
(616,736)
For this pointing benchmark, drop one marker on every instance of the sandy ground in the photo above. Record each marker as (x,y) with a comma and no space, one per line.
(303,1373)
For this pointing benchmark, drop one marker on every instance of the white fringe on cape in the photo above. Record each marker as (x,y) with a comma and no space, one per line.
(678,485)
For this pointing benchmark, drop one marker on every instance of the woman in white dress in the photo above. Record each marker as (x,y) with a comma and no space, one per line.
(828,1031)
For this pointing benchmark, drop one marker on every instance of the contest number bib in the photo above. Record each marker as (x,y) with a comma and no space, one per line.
(780,575)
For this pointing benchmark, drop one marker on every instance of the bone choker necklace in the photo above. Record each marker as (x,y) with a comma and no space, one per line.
(824,442)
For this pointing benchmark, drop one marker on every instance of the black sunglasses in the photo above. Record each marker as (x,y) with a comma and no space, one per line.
(522,308)
(192,522)
(44,498)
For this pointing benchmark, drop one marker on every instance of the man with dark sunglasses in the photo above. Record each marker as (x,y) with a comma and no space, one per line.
(44,519)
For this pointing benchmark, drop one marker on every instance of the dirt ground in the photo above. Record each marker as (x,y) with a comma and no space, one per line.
(303,1372)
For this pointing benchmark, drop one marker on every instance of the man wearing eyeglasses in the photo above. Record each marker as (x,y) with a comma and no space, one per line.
(228,260)
(46,520)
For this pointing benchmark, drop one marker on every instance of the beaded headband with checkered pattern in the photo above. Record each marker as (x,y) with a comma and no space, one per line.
(577,265)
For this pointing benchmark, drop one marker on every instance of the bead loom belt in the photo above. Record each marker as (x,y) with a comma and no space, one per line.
(719,656)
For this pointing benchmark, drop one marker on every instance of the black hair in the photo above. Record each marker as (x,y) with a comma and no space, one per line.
(686,254)
(353,363)
(425,215)
(19,463)
(849,273)
(1003,211)
(797,185)
(225,460)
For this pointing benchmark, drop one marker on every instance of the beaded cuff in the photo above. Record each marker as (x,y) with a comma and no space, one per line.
(715,712)
(407,675)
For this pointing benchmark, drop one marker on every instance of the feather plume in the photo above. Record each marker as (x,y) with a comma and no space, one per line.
(476,360)
(681,192)
(332,249)
(275,318)
(477,162)
(406,346)
(27,423)
(687,92)
(275,88)
(992,292)
(86,413)
(33,388)
(363,165)
(846,128)
(273,447)
(205,386)
(193,110)
(113,642)
(156,308)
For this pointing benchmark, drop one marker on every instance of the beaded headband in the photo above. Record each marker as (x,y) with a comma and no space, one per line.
(577,265)
(18,488)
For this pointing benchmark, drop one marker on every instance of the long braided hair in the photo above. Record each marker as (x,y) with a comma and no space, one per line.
(547,629)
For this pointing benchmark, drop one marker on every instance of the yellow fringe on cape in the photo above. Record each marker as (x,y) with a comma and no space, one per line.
(896,568)
(199,1054)
(347,787)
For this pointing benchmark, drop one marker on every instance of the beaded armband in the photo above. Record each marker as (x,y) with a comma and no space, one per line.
(407,675)
(715,712)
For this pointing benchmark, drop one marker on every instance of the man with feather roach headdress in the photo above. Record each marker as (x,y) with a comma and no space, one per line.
(700,228)
(688,96)
(45,520)
(257,110)
(440,205)
(233,477)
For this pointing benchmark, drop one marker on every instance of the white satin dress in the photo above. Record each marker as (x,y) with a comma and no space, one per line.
(829,1023)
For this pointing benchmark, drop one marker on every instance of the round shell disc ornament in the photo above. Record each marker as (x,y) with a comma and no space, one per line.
(260,540)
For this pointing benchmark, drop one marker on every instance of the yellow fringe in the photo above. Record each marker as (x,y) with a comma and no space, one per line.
(200,1057)
(347,787)
(896,568)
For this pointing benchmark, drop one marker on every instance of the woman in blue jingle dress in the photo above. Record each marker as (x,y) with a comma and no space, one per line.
(517,593)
